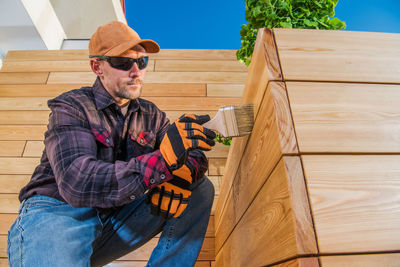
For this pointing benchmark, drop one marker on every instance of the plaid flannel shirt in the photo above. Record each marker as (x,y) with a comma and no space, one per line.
(96,157)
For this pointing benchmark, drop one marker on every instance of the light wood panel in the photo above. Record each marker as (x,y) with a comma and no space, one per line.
(272,136)
(301,262)
(3,262)
(156,77)
(372,260)
(23,103)
(143,253)
(11,183)
(143,263)
(82,54)
(18,165)
(339,55)
(216,166)
(355,201)
(9,203)
(11,148)
(3,246)
(264,67)
(342,117)
(22,132)
(6,220)
(33,149)
(23,78)
(53,90)
(225,90)
(274,220)
(199,65)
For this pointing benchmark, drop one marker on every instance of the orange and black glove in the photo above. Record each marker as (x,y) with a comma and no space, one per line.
(171,198)
(185,134)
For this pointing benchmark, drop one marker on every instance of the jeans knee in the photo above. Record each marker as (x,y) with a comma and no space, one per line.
(205,188)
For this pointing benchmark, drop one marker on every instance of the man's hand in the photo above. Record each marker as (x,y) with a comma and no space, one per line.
(185,134)
(171,198)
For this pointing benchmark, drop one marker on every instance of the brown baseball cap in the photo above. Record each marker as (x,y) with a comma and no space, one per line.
(114,38)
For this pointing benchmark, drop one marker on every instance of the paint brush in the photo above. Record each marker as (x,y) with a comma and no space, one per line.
(233,121)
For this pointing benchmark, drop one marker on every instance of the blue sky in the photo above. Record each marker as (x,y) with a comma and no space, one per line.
(215,24)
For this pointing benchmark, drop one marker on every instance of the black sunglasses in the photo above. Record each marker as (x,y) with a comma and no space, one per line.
(124,63)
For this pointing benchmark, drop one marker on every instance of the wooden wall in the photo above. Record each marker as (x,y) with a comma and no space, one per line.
(317,183)
(178,81)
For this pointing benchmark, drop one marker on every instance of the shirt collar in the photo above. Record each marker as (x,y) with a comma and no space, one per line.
(103,99)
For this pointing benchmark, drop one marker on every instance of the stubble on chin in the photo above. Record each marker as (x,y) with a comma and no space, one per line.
(129,93)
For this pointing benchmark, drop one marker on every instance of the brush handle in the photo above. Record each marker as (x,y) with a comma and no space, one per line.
(217,123)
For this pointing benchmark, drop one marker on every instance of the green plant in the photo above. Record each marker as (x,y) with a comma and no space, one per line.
(305,14)
(223,140)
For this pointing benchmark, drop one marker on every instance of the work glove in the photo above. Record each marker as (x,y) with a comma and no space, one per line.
(185,134)
(171,198)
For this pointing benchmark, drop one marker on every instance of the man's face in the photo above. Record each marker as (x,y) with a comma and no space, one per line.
(124,85)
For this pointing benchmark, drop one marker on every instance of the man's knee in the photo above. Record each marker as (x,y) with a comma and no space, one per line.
(204,191)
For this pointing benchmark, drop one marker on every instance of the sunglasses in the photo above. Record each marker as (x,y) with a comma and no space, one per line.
(124,63)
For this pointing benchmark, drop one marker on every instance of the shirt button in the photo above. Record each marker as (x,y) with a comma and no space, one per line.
(152,181)
(108,141)
(132,197)
(162,176)
(141,141)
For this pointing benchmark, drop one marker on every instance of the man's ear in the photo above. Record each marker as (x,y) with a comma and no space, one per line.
(96,68)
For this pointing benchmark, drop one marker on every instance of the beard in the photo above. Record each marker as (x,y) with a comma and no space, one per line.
(131,89)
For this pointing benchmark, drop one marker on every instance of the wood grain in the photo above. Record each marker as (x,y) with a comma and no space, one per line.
(22,132)
(199,65)
(156,77)
(23,78)
(119,263)
(269,224)
(339,55)
(33,149)
(355,201)
(383,260)
(18,165)
(262,153)
(3,262)
(225,90)
(11,148)
(9,203)
(341,117)
(53,90)
(3,246)
(12,183)
(23,103)
(82,54)
(46,66)
(300,262)
(216,166)
(6,220)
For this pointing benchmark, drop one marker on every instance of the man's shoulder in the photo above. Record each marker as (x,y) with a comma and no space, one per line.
(148,105)
(83,95)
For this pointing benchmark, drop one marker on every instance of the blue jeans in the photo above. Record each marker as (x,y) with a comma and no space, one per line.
(49,232)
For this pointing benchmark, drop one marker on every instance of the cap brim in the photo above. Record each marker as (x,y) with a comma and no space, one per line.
(149,45)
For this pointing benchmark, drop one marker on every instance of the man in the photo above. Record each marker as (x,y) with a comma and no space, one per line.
(104,149)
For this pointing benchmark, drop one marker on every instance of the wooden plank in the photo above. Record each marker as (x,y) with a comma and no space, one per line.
(355,201)
(272,223)
(3,262)
(300,262)
(143,253)
(372,260)
(215,179)
(144,263)
(6,220)
(216,166)
(22,132)
(18,165)
(33,149)
(225,90)
(263,151)
(82,54)
(199,65)
(164,103)
(23,78)
(53,90)
(339,55)
(3,246)
(35,90)
(9,203)
(264,68)
(11,148)
(31,117)
(218,151)
(156,77)
(53,65)
(339,117)
(41,117)
(11,183)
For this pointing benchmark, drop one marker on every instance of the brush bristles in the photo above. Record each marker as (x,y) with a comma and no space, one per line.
(244,118)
